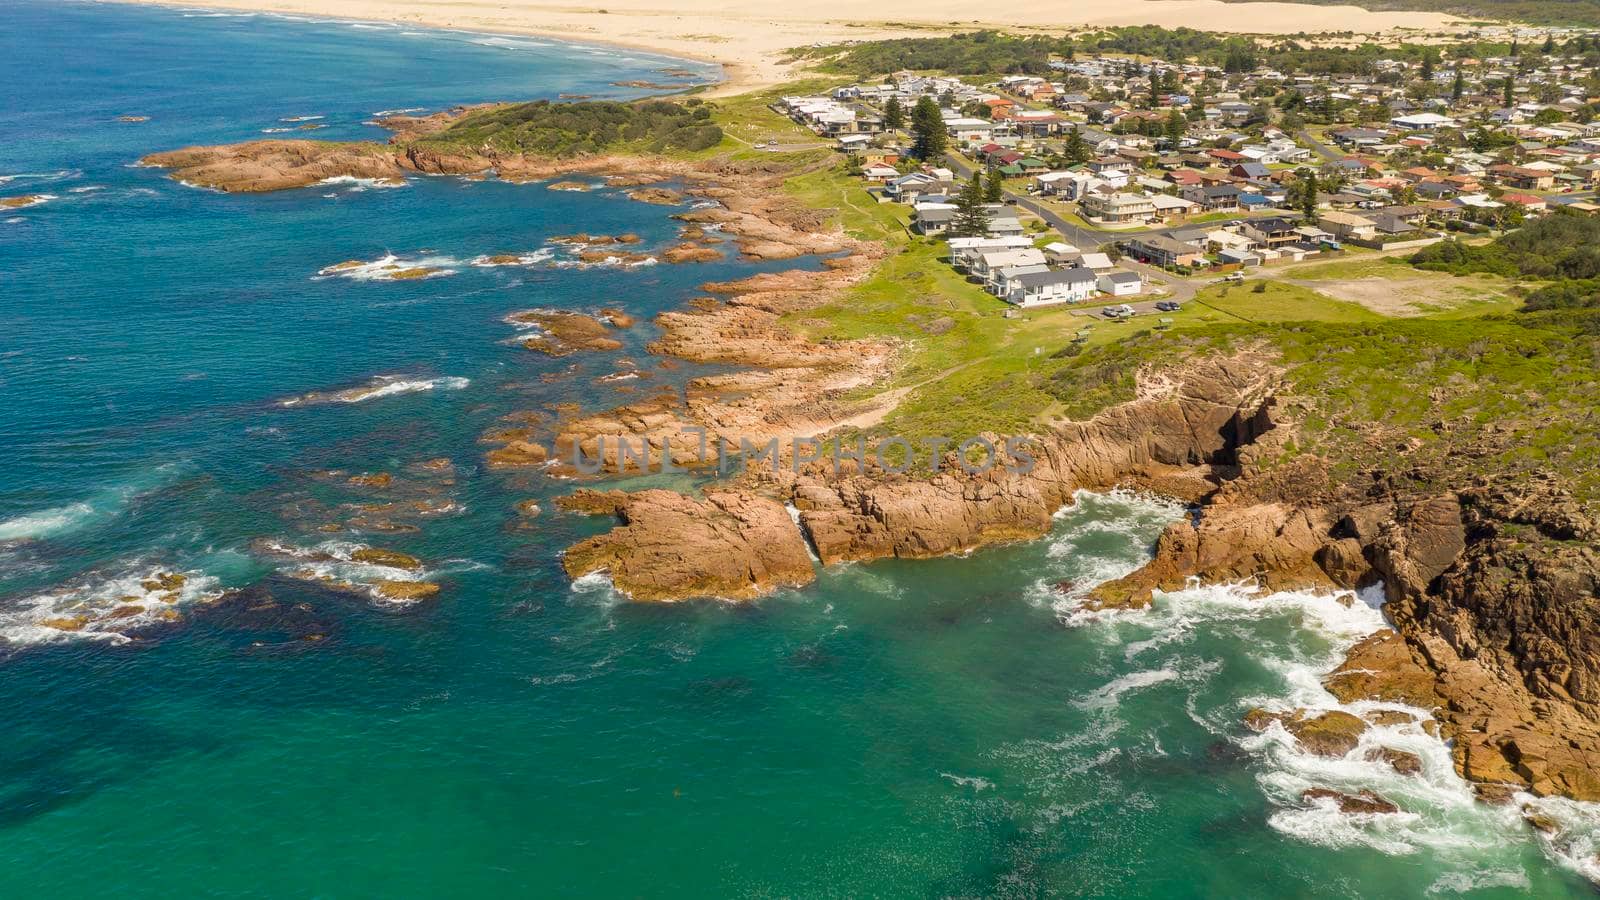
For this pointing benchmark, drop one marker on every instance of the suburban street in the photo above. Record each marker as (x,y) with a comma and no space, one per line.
(1089,239)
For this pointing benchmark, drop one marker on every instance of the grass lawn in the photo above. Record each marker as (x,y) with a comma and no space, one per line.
(1390,286)
(1279,301)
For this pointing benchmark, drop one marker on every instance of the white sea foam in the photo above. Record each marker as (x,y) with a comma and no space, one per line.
(46,523)
(336,564)
(378,388)
(972,781)
(104,606)
(391,267)
(361,184)
(71,517)
(1438,815)
(542,255)
(30,201)
(1110,695)
(506,43)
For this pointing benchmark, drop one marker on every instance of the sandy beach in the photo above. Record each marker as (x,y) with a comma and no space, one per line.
(751,41)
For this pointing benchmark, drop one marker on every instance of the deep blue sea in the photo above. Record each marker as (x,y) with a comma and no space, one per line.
(939,728)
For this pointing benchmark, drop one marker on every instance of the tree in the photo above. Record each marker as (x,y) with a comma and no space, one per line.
(894,117)
(1427,67)
(1459,86)
(928,138)
(1306,187)
(1155,89)
(1514,50)
(1506,96)
(1549,45)
(971,219)
(994,189)
(1175,128)
(1076,150)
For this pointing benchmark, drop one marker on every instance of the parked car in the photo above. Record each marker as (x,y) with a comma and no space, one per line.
(1169,305)
(1232,278)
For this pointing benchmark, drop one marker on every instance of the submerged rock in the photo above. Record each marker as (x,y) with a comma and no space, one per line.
(1333,733)
(1361,803)
(1400,760)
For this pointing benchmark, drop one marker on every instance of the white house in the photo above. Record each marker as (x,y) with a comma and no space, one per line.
(1426,121)
(1001,280)
(1120,283)
(1047,287)
(987,261)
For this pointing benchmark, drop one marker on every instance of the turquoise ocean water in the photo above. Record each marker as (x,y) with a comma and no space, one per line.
(938,728)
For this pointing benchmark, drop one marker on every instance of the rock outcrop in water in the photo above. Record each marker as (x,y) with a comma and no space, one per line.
(259,166)
(733,545)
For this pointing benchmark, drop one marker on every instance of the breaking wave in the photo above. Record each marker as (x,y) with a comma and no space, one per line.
(377,388)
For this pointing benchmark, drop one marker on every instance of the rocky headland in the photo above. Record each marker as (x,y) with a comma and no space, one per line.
(1490,587)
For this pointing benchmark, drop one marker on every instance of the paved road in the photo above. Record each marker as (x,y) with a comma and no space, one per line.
(1321,149)
(1090,239)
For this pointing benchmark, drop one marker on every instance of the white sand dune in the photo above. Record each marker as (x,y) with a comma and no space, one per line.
(750,38)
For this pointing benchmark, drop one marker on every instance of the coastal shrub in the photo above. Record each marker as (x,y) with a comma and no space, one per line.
(1559,246)
(552,129)
(1583,293)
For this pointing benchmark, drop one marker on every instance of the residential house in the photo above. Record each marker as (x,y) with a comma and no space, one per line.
(1271,232)
(1160,250)
(1117,208)
(987,262)
(1213,198)
(1050,286)
(1348,226)
(1522,177)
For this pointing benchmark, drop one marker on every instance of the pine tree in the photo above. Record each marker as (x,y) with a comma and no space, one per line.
(1076,151)
(1308,194)
(1514,50)
(1175,128)
(928,138)
(971,219)
(894,118)
(994,190)
(1508,101)
(1427,67)
(1459,87)
(1155,89)
(1549,45)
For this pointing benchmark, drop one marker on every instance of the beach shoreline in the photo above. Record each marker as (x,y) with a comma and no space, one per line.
(752,45)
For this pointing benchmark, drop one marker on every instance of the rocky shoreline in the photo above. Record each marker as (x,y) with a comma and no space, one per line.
(1488,590)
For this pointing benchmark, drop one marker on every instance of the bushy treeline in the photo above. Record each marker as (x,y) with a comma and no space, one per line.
(1535,12)
(575,129)
(1563,246)
(1582,293)
(997,53)
(972,53)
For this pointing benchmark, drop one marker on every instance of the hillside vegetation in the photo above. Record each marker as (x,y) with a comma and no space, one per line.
(1563,248)
(1502,396)
(1534,12)
(573,129)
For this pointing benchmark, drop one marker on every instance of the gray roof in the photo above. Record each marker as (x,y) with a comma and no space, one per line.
(1059,276)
